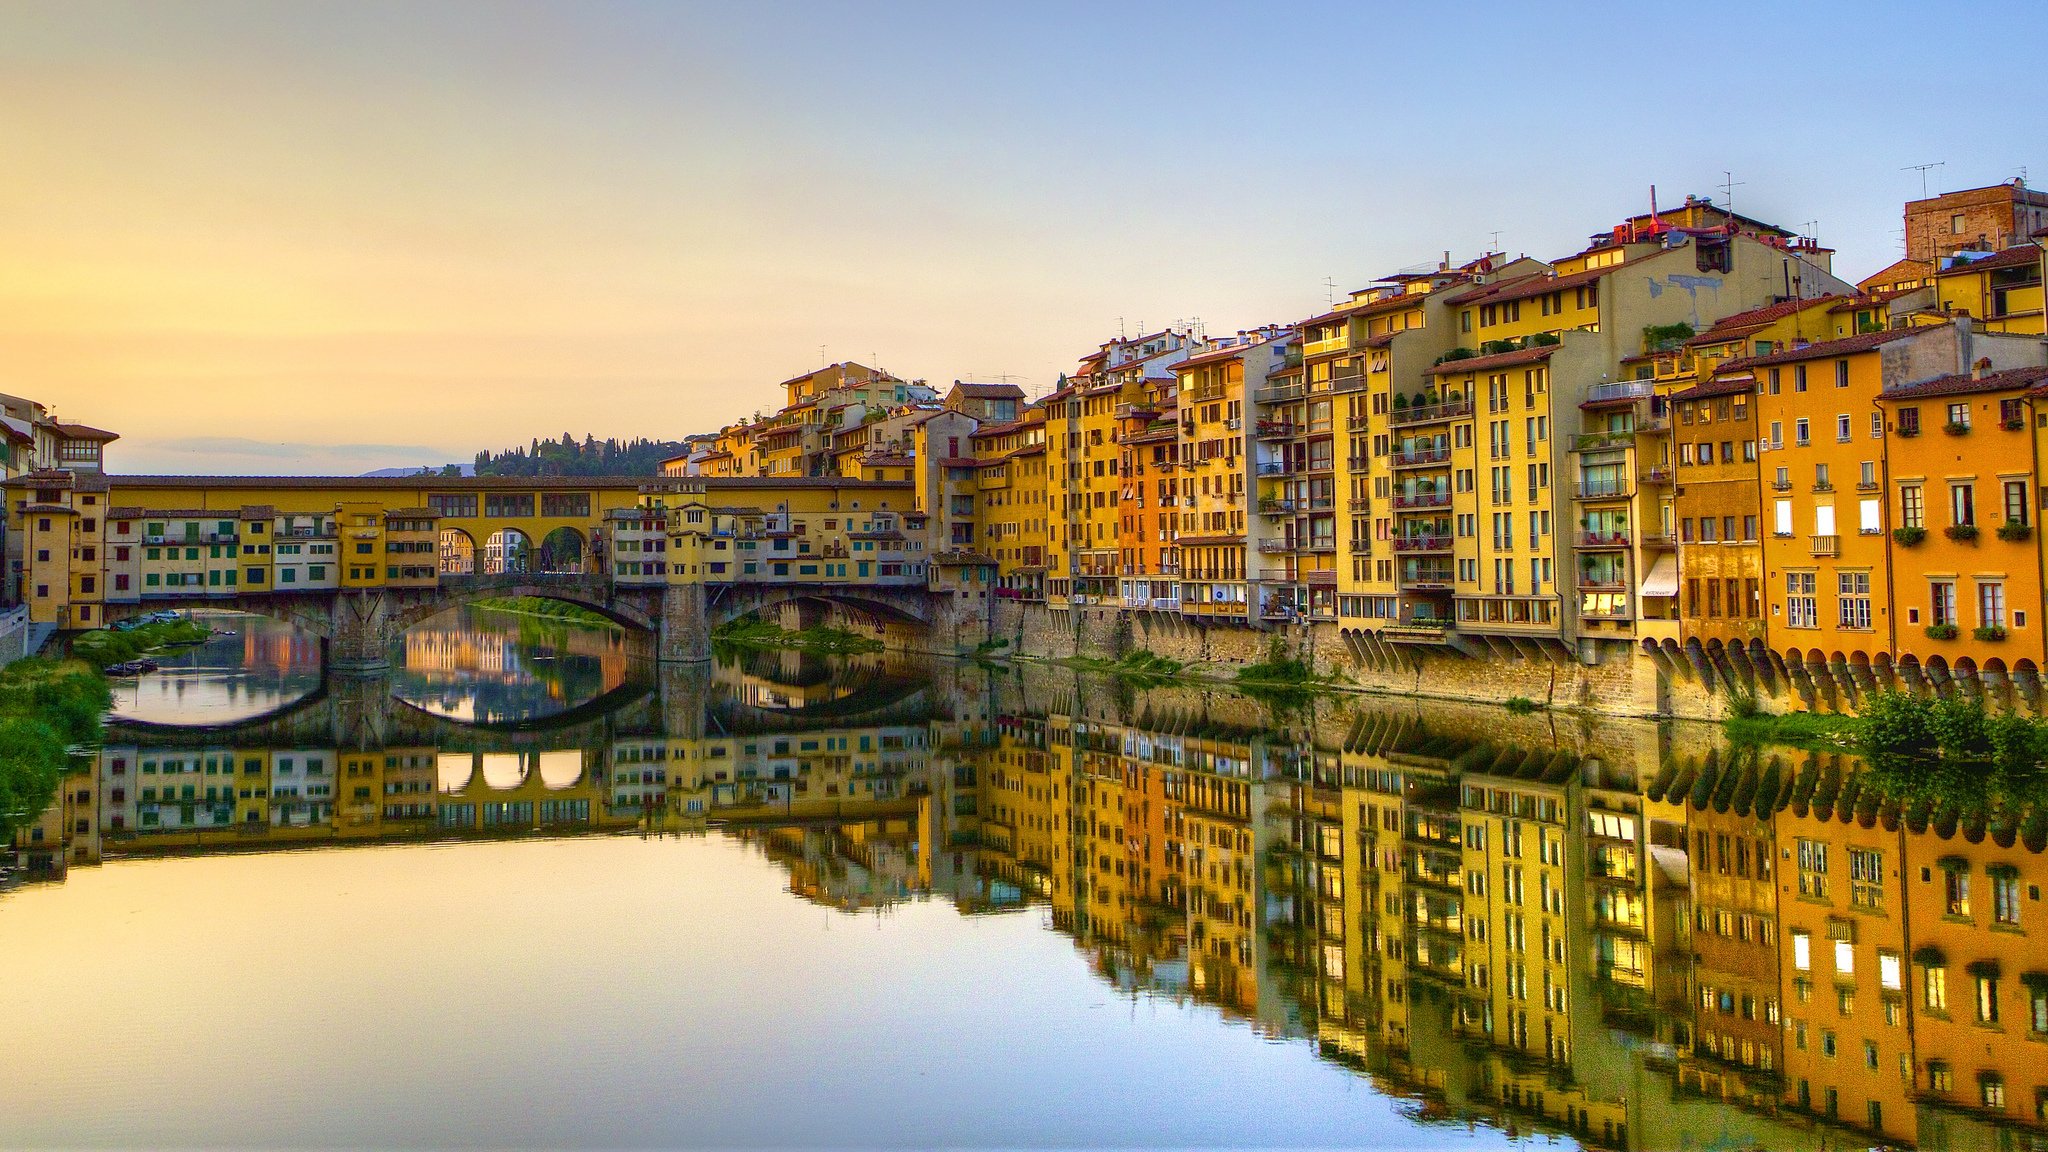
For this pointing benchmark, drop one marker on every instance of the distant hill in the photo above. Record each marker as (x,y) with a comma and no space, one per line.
(589,457)
(434,469)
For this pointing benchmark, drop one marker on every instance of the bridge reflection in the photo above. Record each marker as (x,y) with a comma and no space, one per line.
(1629,934)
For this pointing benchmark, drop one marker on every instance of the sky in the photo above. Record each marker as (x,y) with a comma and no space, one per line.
(325,238)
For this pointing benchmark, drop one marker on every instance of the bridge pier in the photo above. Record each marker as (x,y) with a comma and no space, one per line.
(362,632)
(685,626)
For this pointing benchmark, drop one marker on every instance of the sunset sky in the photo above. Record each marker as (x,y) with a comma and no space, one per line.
(329,238)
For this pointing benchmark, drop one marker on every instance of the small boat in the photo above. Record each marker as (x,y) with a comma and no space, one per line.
(126,668)
(145,665)
(225,632)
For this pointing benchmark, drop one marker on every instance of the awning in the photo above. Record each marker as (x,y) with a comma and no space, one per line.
(1663,577)
(1928,956)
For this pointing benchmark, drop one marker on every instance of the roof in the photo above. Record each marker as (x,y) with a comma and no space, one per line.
(1718,386)
(2018,256)
(1232,352)
(1523,287)
(83,432)
(1964,383)
(125,512)
(1846,346)
(1223,538)
(95,482)
(1742,323)
(988,391)
(1497,360)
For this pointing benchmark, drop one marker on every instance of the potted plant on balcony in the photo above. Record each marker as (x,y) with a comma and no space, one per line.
(2015,423)
(1908,537)
(1941,631)
(1960,533)
(2012,531)
(1989,632)
(1400,402)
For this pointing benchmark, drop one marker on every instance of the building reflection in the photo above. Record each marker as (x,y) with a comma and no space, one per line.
(1630,935)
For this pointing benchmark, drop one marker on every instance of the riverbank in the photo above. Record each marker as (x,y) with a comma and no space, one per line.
(104,646)
(47,707)
(545,609)
(822,640)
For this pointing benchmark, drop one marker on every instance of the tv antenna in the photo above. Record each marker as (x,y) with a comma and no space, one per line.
(1329,292)
(1728,186)
(1494,244)
(1922,170)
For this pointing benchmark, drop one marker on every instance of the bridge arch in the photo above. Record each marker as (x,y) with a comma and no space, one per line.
(562,552)
(508,551)
(641,612)
(458,553)
(886,604)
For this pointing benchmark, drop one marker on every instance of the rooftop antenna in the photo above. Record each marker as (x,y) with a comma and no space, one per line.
(1728,186)
(1812,231)
(1329,292)
(1494,245)
(1922,170)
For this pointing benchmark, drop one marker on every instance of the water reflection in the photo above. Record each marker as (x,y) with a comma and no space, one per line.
(487,666)
(1628,935)
(264,665)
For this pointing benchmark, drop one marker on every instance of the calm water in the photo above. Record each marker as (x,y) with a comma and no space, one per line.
(263,666)
(527,890)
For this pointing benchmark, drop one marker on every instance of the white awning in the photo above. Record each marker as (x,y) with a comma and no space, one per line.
(1663,577)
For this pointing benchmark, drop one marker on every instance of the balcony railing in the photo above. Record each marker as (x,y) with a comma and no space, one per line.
(1433,454)
(1625,390)
(1428,413)
(1270,547)
(1278,430)
(1273,468)
(1361,547)
(1602,490)
(1613,438)
(1422,500)
(1826,545)
(1276,507)
(1278,394)
(1357,423)
(1422,543)
(1656,474)
(1424,577)
(1361,504)
(1351,383)
(1603,539)
(1604,583)
(1659,540)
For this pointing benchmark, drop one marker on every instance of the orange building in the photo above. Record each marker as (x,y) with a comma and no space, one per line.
(1148,452)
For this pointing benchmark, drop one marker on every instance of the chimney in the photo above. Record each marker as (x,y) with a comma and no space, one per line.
(1982,366)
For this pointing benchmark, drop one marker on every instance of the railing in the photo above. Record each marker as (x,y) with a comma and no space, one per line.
(1274,468)
(1422,543)
(1422,500)
(1276,507)
(1602,583)
(1602,490)
(1657,474)
(1270,547)
(1278,394)
(1434,454)
(1323,546)
(1625,390)
(1357,423)
(1867,485)
(1277,430)
(1823,486)
(1361,547)
(1826,545)
(1614,438)
(1603,539)
(1361,504)
(1424,578)
(1659,540)
(1426,413)
(1350,383)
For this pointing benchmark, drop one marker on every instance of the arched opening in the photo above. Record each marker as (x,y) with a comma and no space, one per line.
(561,552)
(458,553)
(508,550)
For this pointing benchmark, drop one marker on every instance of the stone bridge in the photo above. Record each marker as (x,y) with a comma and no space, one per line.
(359,628)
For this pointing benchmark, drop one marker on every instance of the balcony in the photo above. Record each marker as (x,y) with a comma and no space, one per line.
(1422,455)
(1273,547)
(1602,490)
(1323,546)
(1276,508)
(1603,541)
(1430,413)
(1278,430)
(1352,383)
(1658,474)
(1664,540)
(1602,583)
(1625,390)
(1357,423)
(1422,500)
(1422,543)
(1825,545)
(1612,438)
(1425,578)
(1321,503)
(1273,468)
(1361,547)
(1278,394)
(1361,504)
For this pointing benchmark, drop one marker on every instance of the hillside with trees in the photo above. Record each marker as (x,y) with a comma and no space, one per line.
(588,457)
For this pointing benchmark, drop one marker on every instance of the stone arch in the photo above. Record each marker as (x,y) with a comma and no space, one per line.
(508,551)
(906,605)
(562,552)
(586,593)
(458,553)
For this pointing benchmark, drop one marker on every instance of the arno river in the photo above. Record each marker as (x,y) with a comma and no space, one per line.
(529,889)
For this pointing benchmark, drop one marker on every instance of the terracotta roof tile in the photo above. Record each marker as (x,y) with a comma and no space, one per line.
(1963,383)
(1497,360)
(1846,346)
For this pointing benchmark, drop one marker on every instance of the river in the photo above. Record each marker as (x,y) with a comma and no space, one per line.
(529,889)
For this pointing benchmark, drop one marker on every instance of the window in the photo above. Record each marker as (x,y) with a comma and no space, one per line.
(1822,480)
(1784,518)
(1940,1077)
(1777,436)
(1866,876)
(1813,866)
(1909,421)
(1992,1087)
(1956,890)
(1934,985)
(1799,377)
(1991,604)
(1800,610)
(1843,429)
(1877,425)
(1912,506)
(1987,998)
(2005,897)
(2015,501)
(1802,951)
(1890,972)
(1870,516)
(1941,595)
(1845,965)
(1854,598)
(1802,432)
(1959,415)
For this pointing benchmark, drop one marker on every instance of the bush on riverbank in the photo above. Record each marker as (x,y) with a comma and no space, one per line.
(753,632)
(546,609)
(103,646)
(45,706)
